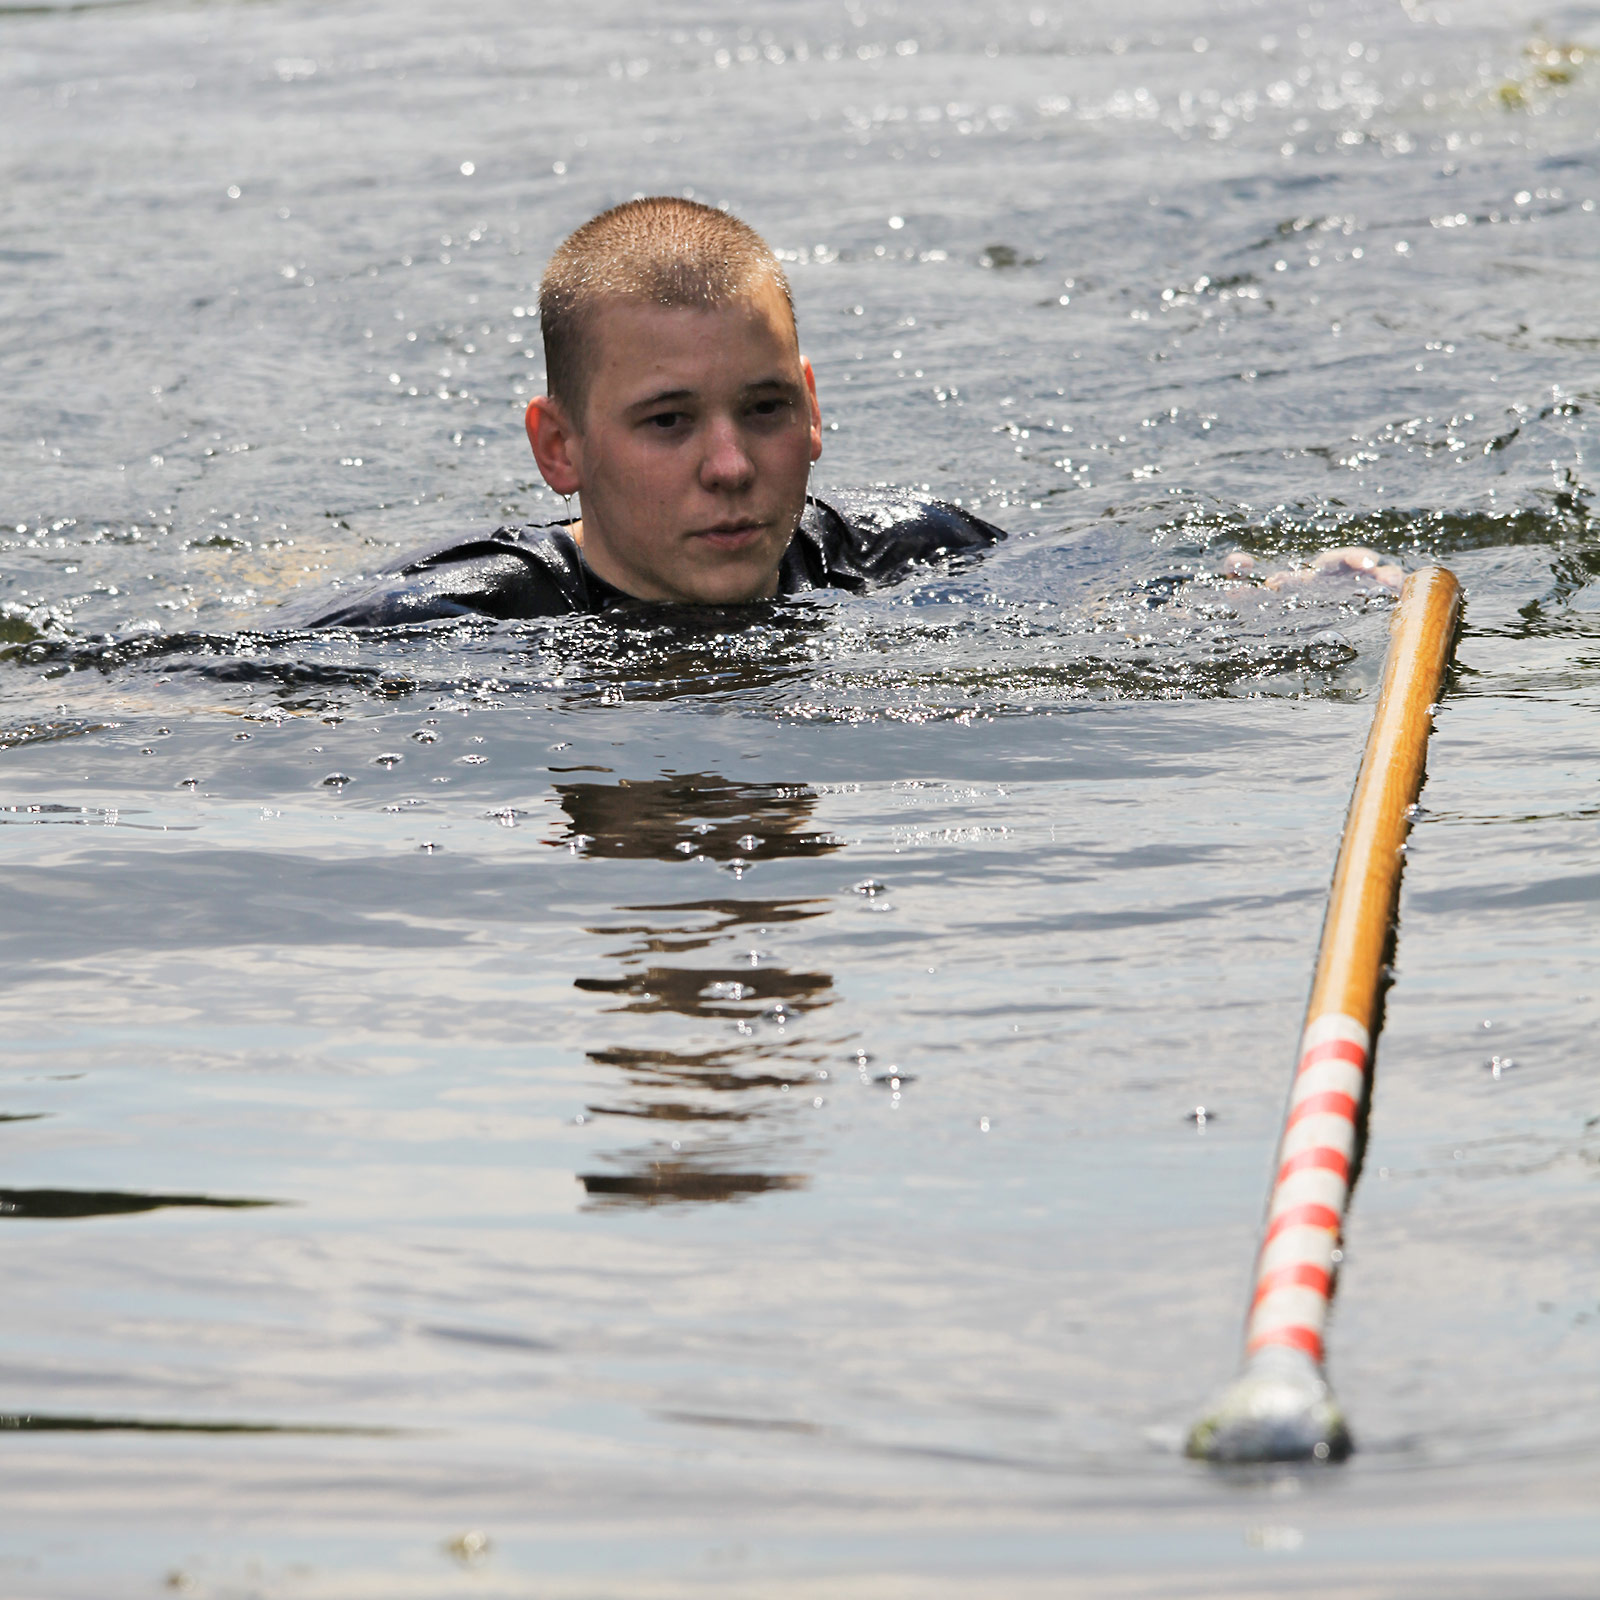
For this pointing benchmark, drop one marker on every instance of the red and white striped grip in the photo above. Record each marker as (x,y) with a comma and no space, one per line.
(1294,1271)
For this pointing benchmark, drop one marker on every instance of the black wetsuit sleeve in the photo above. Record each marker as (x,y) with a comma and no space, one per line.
(512,572)
(865,538)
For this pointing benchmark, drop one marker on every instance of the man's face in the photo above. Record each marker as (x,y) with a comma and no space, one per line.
(698,436)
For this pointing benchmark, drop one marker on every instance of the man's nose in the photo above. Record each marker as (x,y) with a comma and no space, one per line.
(726,463)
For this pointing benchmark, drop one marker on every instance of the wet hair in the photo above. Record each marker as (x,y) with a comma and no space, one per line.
(660,249)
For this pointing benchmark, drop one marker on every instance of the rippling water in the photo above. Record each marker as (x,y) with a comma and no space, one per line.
(704,1105)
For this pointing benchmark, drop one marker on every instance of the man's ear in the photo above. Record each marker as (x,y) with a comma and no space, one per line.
(556,445)
(816,410)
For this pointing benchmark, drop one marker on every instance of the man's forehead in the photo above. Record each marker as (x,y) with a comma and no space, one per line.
(618,323)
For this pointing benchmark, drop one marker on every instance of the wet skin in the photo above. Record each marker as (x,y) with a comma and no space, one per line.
(696,443)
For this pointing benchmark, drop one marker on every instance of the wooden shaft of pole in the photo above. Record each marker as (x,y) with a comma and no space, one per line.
(1366,879)
(1294,1269)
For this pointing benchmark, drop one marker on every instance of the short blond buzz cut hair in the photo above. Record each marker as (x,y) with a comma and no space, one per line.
(660,249)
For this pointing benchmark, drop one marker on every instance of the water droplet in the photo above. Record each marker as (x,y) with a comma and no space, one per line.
(469,1548)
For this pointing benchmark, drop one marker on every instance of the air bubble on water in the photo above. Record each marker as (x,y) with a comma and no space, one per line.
(701,827)
(425,736)
(188,783)
(1200,1116)
(472,761)
(565,744)
(748,842)
(240,737)
(1498,1066)
(870,887)
(390,758)
(391,808)
(684,847)
(738,866)
(428,848)
(983,1124)
(816,1102)
(336,780)
(729,990)
(158,730)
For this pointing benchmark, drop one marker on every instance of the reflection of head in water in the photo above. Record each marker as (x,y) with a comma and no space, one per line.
(655,818)
(676,1081)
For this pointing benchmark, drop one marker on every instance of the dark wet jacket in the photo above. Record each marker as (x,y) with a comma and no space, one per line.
(864,539)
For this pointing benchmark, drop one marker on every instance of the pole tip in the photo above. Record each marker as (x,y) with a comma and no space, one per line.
(1279,1408)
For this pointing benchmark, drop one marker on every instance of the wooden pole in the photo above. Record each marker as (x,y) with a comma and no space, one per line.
(1280,1407)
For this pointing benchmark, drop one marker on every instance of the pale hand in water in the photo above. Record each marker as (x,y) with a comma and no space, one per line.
(1343,564)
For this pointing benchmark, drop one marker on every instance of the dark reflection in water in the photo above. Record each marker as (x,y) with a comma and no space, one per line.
(685,1180)
(698,814)
(712,991)
(682,1083)
(43,1422)
(107,1202)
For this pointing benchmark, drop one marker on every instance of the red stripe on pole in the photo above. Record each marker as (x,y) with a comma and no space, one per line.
(1331,1103)
(1318,1156)
(1302,1275)
(1334,1050)
(1307,1216)
(1307,1339)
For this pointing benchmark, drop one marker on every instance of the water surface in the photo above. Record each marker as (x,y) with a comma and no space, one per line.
(661,1107)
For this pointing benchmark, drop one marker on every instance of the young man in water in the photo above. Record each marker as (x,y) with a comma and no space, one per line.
(683,416)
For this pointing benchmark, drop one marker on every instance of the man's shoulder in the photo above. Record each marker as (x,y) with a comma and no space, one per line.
(516,570)
(862,538)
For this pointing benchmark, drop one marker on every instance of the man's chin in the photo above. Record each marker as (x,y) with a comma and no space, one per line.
(729,582)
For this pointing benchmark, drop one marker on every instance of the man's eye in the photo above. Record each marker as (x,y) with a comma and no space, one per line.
(769,408)
(665,419)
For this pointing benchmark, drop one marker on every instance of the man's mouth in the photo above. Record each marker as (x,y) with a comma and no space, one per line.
(733,535)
